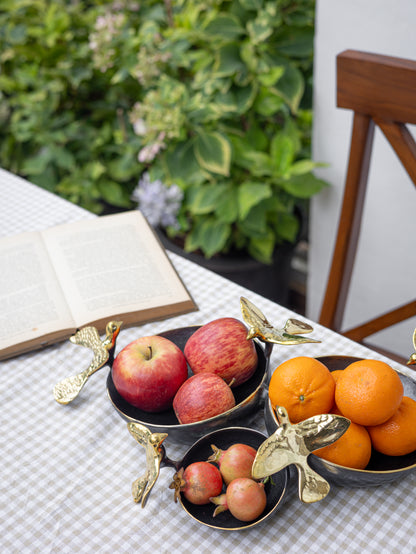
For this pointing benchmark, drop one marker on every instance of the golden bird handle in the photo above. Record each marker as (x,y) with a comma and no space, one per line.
(69,388)
(103,351)
(155,453)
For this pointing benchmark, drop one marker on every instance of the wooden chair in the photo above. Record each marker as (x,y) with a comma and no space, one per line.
(381,90)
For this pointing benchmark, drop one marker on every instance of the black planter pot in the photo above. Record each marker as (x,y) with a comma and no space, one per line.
(271,281)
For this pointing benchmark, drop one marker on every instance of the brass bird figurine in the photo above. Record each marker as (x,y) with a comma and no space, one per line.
(260,327)
(154,454)
(68,389)
(412,359)
(292,444)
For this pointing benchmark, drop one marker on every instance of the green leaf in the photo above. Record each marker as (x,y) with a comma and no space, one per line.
(123,167)
(227,207)
(113,193)
(17,33)
(209,235)
(204,199)
(304,166)
(225,26)
(228,61)
(213,152)
(200,114)
(255,224)
(296,42)
(287,226)
(251,4)
(250,194)
(47,180)
(63,157)
(261,27)
(268,101)
(37,164)
(303,186)
(282,152)
(95,169)
(245,96)
(262,249)
(182,165)
(224,104)
(293,130)
(270,77)
(256,138)
(291,86)
(258,164)
(249,56)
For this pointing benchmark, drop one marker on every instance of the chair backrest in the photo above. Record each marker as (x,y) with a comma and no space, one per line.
(381,90)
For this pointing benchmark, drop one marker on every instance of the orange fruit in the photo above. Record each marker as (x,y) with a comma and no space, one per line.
(352,449)
(368,392)
(397,436)
(304,386)
(336,373)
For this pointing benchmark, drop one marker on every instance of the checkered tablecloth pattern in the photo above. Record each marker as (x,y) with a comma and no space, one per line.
(66,471)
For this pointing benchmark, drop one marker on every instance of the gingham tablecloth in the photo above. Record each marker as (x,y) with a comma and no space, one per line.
(66,471)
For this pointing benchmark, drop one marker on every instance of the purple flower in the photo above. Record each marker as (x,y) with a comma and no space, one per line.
(158,203)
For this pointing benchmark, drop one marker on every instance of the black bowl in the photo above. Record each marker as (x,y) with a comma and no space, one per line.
(275,487)
(248,398)
(381,468)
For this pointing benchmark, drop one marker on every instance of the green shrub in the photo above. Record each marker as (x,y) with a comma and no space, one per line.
(214,96)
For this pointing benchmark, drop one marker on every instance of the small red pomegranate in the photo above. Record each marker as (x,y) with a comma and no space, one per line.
(198,482)
(244,498)
(234,462)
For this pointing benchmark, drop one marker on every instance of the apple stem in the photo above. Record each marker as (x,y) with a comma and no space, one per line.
(149,355)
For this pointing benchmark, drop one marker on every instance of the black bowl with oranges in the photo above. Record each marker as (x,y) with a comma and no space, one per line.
(381,468)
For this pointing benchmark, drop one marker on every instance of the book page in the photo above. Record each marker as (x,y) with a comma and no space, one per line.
(112,265)
(31,302)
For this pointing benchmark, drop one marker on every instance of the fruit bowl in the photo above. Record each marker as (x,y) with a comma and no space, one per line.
(248,398)
(275,487)
(381,468)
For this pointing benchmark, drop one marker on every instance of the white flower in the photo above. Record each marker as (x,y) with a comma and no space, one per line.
(139,127)
(106,28)
(149,152)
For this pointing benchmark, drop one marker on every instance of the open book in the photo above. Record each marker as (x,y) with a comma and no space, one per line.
(84,273)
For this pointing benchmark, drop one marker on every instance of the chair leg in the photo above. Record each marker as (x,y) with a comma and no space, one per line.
(349,223)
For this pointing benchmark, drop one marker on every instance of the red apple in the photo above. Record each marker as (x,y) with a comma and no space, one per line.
(148,372)
(221,347)
(202,396)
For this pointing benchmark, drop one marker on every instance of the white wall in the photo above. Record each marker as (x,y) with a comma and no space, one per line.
(385,268)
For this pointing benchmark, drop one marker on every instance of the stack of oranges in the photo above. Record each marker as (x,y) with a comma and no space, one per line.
(367,392)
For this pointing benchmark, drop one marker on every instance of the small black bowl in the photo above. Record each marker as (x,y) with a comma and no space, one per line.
(381,469)
(249,396)
(275,487)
